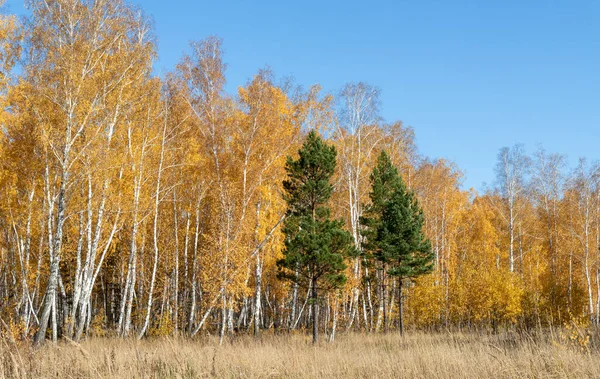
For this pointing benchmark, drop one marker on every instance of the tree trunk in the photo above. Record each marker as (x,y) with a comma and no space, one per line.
(335,319)
(176,269)
(315,312)
(294,303)
(223,317)
(257,296)
(400,308)
(155,230)
(192,314)
(386,324)
(258,278)
(55,243)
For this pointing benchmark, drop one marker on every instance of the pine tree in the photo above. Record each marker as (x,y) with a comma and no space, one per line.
(394,230)
(385,181)
(315,245)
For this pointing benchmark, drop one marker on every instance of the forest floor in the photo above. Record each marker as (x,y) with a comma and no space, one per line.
(562,354)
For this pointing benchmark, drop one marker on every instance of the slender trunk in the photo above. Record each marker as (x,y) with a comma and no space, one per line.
(511,256)
(570,285)
(186,263)
(258,277)
(129,288)
(257,296)
(380,298)
(315,311)
(400,308)
(24,250)
(132,290)
(176,269)
(223,318)
(587,268)
(230,317)
(370,301)
(335,319)
(155,230)
(54,311)
(55,241)
(192,314)
(384,301)
(294,303)
(77,281)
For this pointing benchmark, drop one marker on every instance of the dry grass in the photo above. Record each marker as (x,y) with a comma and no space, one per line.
(417,355)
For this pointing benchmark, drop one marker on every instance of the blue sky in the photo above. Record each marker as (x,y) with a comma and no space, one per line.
(469,76)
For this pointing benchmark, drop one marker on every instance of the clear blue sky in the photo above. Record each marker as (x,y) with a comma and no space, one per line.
(469,76)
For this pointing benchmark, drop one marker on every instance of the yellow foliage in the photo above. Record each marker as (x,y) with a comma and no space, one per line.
(576,335)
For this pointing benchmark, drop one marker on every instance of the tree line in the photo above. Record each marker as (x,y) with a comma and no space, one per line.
(134,205)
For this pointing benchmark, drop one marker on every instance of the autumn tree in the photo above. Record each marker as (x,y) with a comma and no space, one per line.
(547,186)
(357,137)
(437,185)
(85,61)
(512,169)
(483,293)
(143,205)
(582,202)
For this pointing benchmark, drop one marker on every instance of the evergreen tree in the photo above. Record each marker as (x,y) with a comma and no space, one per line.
(394,230)
(385,181)
(315,245)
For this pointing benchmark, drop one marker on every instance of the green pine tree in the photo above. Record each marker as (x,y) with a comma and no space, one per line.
(315,246)
(394,231)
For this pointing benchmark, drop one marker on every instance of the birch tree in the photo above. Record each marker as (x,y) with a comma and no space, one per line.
(83,60)
(511,172)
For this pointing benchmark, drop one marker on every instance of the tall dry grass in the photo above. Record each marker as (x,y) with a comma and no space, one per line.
(564,354)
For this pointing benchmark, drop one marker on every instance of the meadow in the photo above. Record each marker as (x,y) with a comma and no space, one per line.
(557,353)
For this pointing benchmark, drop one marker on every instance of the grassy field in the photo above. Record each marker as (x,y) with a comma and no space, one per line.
(564,354)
